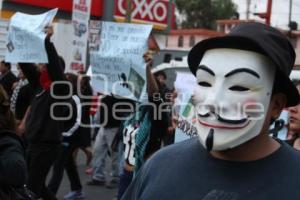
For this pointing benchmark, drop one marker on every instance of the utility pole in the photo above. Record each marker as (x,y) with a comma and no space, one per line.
(248,3)
(266,15)
(290,11)
(128,10)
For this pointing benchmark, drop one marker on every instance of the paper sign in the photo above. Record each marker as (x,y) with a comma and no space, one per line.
(94,36)
(80,22)
(26,37)
(118,66)
(184,85)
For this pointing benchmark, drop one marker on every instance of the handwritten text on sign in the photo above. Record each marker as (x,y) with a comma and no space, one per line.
(119,59)
(26,37)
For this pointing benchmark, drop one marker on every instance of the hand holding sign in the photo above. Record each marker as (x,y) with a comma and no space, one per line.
(49,31)
(26,37)
(118,67)
(148,58)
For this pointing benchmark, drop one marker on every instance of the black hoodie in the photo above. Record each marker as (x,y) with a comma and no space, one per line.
(40,125)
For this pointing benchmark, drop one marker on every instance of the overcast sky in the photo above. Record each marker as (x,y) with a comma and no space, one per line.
(280,11)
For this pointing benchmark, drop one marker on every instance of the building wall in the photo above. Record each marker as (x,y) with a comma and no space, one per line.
(173,41)
(297,49)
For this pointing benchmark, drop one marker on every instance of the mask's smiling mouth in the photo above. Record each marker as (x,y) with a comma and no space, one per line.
(230,123)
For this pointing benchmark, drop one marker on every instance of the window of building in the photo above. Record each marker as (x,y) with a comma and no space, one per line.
(180,41)
(167,58)
(192,41)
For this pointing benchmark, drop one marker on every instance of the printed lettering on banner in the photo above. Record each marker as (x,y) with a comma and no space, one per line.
(147,11)
(80,23)
(26,37)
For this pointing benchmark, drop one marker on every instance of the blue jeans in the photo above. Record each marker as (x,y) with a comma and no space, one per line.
(125,180)
(102,151)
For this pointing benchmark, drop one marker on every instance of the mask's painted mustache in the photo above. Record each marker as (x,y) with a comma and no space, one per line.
(222,119)
(210,140)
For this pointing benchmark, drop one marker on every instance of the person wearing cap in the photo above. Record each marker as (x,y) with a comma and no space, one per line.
(243,85)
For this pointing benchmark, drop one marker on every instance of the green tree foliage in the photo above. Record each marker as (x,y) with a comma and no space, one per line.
(204,13)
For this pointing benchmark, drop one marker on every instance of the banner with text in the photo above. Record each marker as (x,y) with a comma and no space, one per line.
(26,37)
(117,65)
(184,85)
(153,12)
(80,23)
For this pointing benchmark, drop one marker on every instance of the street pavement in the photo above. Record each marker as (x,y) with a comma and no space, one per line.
(91,192)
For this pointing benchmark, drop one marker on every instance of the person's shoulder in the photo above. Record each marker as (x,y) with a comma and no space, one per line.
(11,75)
(290,156)
(9,139)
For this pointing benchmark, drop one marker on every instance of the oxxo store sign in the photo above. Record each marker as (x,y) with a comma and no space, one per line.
(153,12)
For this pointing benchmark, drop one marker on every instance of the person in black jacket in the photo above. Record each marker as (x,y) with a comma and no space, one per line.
(20,100)
(7,78)
(12,161)
(43,125)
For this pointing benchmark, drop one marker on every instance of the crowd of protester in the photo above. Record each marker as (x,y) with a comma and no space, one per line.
(40,140)
(34,144)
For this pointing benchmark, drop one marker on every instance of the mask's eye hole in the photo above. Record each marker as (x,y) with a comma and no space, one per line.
(204,84)
(238,88)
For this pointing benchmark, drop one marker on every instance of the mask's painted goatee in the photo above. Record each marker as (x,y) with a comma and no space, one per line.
(210,140)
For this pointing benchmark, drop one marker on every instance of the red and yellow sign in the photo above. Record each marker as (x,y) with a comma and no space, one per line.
(149,11)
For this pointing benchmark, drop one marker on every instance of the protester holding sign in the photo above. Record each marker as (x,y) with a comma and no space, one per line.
(43,130)
(144,130)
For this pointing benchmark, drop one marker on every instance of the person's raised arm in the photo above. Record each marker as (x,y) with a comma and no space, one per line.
(152,87)
(55,70)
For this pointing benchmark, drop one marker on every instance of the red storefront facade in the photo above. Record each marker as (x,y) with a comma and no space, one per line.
(159,13)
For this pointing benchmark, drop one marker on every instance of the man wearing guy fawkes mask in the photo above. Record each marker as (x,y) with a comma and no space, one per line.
(243,85)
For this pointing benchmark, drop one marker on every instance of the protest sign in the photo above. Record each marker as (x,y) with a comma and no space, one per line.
(80,22)
(184,85)
(118,66)
(26,37)
(94,35)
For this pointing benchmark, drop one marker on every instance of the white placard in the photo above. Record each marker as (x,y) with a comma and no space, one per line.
(26,37)
(118,66)
(80,21)
(184,85)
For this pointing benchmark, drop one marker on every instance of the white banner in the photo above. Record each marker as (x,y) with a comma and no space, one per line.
(80,22)
(184,85)
(26,37)
(118,66)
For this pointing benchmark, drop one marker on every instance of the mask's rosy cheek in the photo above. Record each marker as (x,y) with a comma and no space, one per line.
(197,96)
(253,109)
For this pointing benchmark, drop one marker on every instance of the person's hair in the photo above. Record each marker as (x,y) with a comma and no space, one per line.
(160,73)
(85,83)
(7,119)
(73,80)
(6,64)
(278,87)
